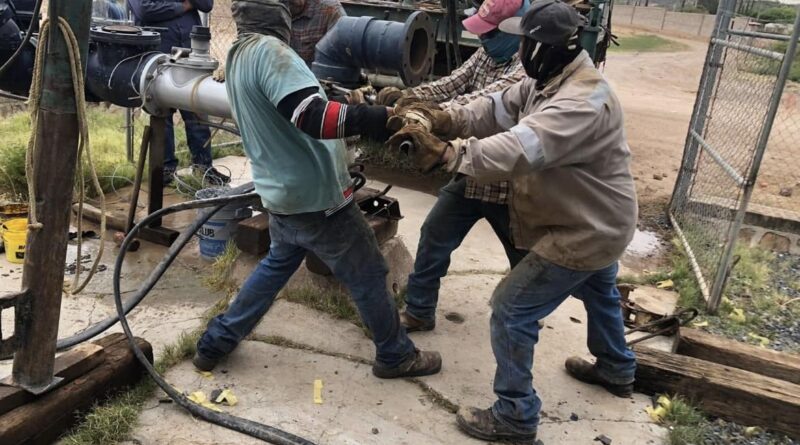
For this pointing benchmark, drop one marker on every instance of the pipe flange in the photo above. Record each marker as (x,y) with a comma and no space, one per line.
(124,35)
(418,48)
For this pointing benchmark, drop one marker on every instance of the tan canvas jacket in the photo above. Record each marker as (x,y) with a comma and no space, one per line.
(573,199)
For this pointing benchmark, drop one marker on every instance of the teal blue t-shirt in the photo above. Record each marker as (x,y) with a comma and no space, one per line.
(292,172)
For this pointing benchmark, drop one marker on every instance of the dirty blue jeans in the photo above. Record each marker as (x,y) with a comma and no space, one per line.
(446,226)
(348,247)
(197,136)
(534,289)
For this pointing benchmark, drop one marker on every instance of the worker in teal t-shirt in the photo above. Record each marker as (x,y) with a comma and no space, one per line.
(292,135)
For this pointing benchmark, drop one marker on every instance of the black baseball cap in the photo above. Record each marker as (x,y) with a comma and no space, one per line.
(548,21)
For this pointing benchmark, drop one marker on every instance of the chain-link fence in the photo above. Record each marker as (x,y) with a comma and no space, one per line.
(745,112)
(223,30)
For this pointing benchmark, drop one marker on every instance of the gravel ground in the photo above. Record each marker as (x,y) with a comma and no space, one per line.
(720,432)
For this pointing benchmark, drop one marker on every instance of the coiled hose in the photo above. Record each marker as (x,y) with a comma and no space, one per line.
(254,429)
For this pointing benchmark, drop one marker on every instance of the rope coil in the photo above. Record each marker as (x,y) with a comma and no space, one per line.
(76,70)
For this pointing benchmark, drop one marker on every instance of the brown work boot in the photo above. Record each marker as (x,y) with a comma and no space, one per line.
(587,372)
(482,423)
(414,324)
(422,363)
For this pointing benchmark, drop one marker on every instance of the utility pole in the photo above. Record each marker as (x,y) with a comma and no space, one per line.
(54,158)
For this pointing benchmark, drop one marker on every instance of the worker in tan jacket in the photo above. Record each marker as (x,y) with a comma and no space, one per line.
(558,137)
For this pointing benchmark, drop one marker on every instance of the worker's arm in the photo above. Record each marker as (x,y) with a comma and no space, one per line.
(153,11)
(202,5)
(490,115)
(324,119)
(565,132)
(458,82)
(498,85)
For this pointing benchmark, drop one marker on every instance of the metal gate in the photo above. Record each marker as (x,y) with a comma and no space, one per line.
(738,99)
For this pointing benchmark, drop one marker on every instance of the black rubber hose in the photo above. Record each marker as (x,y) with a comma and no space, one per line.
(254,429)
(158,271)
(26,39)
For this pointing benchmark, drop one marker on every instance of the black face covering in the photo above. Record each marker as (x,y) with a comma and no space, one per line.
(543,62)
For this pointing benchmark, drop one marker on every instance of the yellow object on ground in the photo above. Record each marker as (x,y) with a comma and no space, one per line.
(318,392)
(15,234)
(226,397)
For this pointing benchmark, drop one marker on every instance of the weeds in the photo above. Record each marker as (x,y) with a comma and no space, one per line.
(107,139)
(752,309)
(111,422)
(337,304)
(647,43)
(685,423)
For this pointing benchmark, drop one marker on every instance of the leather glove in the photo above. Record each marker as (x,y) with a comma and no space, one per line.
(358,96)
(407,99)
(219,75)
(388,96)
(426,150)
(427,114)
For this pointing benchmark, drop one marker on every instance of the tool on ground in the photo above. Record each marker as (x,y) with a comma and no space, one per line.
(663,325)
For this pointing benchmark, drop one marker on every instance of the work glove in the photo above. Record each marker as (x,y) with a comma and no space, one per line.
(407,99)
(427,114)
(426,150)
(359,95)
(388,96)
(219,75)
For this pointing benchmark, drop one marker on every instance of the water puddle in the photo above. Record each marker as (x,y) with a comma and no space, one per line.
(644,244)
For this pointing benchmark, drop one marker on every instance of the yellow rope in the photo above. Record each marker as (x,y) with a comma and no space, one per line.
(76,70)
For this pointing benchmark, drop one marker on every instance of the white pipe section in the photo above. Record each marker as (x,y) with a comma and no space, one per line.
(169,86)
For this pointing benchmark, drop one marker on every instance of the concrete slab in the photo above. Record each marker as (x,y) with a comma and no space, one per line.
(274,383)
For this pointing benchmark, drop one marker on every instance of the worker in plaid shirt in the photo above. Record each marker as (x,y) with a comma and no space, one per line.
(311,20)
(463,202)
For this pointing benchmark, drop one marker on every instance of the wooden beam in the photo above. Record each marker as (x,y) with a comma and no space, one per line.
(43,420)
(730,393)
(69,366)
(252,234)
(713,348)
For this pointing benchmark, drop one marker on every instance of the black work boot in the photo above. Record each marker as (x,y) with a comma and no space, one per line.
(587,372)
(203,363)
(211,175)
(414,324)
(482,423)
(422,363)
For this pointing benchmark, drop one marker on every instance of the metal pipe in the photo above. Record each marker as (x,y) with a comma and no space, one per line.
(167,85)
(749,49)
(55,158)
(357,43)
(760,35)
(761,146)
(732,173)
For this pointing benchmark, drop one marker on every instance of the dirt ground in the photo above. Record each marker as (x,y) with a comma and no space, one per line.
(657,92)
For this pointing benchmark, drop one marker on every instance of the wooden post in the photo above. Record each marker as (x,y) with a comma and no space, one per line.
(633,14)
(54,159)
(663,19)
(702,23)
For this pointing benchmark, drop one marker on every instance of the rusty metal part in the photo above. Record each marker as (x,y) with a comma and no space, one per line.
(665,325)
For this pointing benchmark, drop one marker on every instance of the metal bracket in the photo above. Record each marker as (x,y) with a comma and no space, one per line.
(9,345)
(35,390)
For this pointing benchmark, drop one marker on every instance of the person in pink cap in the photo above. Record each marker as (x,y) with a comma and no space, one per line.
(493,67)
(463,202)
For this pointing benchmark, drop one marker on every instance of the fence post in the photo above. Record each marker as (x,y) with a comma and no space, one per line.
(702,102)
(702,23)
(752,176)
(633,14)
(663,19)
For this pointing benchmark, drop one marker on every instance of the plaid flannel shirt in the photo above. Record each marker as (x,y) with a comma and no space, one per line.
(310,26)
(479,76)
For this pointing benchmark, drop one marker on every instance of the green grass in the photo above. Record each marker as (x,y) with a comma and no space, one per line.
(685,423)
(337,304)
(749,288)
(107,141)
(112,421)
(647,43)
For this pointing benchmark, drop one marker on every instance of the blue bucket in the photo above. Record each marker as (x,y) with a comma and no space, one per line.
(216,232)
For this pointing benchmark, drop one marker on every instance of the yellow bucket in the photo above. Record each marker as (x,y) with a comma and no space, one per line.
(15,233)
